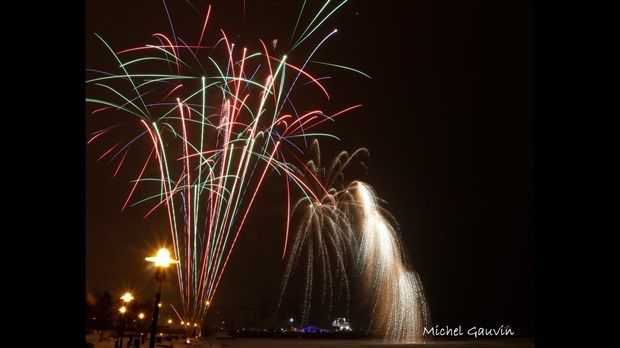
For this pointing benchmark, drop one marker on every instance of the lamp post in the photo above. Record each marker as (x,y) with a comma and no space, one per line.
(127,297)
(141,316)
(162,261)
(121,328)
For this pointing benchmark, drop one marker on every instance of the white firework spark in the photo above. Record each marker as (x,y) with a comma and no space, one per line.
(346,223)
(325,234)
(400,311)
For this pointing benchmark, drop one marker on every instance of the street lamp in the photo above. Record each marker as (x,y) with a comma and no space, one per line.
(127,297)
(141,316)
(162,261)
(121,327)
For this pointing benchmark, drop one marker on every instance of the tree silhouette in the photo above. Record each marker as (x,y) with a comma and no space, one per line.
(99,311)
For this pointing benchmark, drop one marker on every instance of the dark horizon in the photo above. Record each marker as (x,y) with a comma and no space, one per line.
(448,118)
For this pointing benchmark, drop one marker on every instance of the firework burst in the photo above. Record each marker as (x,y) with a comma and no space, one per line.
(346,231)
(325,235)
(399,308)
(215,120)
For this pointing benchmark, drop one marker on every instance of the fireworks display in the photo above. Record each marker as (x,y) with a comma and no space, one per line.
(399,306)
(214,135)
(325,235)
(209,123)
(346,231)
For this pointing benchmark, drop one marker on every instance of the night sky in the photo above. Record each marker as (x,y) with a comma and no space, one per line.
(448,118)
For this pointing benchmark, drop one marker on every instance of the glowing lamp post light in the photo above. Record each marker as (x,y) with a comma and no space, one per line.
(126,298)
(141,316)
(162,261)
(121,328)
